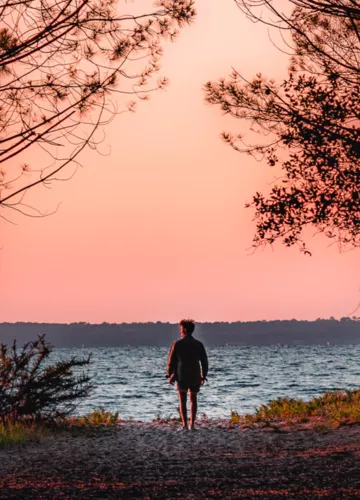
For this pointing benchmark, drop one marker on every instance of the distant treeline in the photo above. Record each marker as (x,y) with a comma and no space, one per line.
(292,332)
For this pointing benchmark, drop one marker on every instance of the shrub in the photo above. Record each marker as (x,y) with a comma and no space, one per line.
(32,389)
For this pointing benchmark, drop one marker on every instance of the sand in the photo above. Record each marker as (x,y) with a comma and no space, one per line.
(156,460)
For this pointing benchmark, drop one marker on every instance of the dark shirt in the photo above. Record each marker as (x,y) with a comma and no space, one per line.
(185,357)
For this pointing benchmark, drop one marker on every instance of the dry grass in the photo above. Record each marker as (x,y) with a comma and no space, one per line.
(329,410)
(98,417)
(19,432)
(14,433)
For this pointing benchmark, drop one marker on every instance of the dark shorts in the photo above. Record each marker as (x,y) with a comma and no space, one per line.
(185,387)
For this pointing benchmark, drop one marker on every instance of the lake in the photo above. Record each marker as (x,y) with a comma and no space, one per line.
(131,380)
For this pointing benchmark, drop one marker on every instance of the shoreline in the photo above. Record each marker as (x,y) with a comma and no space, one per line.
(135,459)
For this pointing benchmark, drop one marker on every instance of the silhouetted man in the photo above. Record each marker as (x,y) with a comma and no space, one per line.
(183,366)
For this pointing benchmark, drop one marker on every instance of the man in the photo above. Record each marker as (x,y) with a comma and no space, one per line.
(185,357)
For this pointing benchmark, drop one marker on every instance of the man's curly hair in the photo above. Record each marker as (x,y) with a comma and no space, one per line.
(188,325)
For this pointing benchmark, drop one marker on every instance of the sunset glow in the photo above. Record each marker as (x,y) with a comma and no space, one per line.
(154,228)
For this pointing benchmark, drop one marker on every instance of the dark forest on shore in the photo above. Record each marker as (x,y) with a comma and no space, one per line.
(289,332)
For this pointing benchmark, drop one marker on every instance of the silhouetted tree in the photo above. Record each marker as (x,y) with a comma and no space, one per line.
(31,388)
(59,62)
(309,122)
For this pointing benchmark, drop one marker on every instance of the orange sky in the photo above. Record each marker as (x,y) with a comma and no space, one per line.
(157,230)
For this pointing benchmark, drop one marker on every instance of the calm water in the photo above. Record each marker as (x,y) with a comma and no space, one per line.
(132,380)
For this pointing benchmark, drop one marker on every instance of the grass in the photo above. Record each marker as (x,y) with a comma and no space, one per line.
(160,419)
(331,409)
(98,417)
(14,433)
(20,432)
(327,411)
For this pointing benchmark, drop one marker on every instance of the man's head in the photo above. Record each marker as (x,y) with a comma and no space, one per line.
(187,326)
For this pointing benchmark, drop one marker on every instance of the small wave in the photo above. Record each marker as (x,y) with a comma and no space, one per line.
(244,385)
(132,396)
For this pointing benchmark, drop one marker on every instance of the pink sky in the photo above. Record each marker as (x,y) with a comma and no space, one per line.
(157,230)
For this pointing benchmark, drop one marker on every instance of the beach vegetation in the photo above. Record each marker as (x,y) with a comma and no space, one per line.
(98,417)
(17,432)
(323,427)
(165,419)
(330,409)
(13,433)
(235,418)
(33,389)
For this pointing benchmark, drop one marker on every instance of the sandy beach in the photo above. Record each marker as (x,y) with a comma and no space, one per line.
(157,460)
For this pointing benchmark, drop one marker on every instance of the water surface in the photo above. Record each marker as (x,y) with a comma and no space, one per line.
(132,380)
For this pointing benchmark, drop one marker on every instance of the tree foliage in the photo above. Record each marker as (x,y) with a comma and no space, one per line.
(60,60)
(31,388)
(309,123)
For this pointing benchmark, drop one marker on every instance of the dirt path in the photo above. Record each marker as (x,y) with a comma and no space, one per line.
(137,460)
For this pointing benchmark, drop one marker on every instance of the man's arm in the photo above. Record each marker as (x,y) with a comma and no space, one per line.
(171,363)
(204,362)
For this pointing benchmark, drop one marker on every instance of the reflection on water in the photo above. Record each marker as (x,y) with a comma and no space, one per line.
(132,380)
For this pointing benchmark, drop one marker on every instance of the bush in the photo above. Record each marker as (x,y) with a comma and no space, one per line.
(30,389)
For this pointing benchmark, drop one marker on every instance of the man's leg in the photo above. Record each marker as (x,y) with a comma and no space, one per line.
(183,409)
(193,409)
